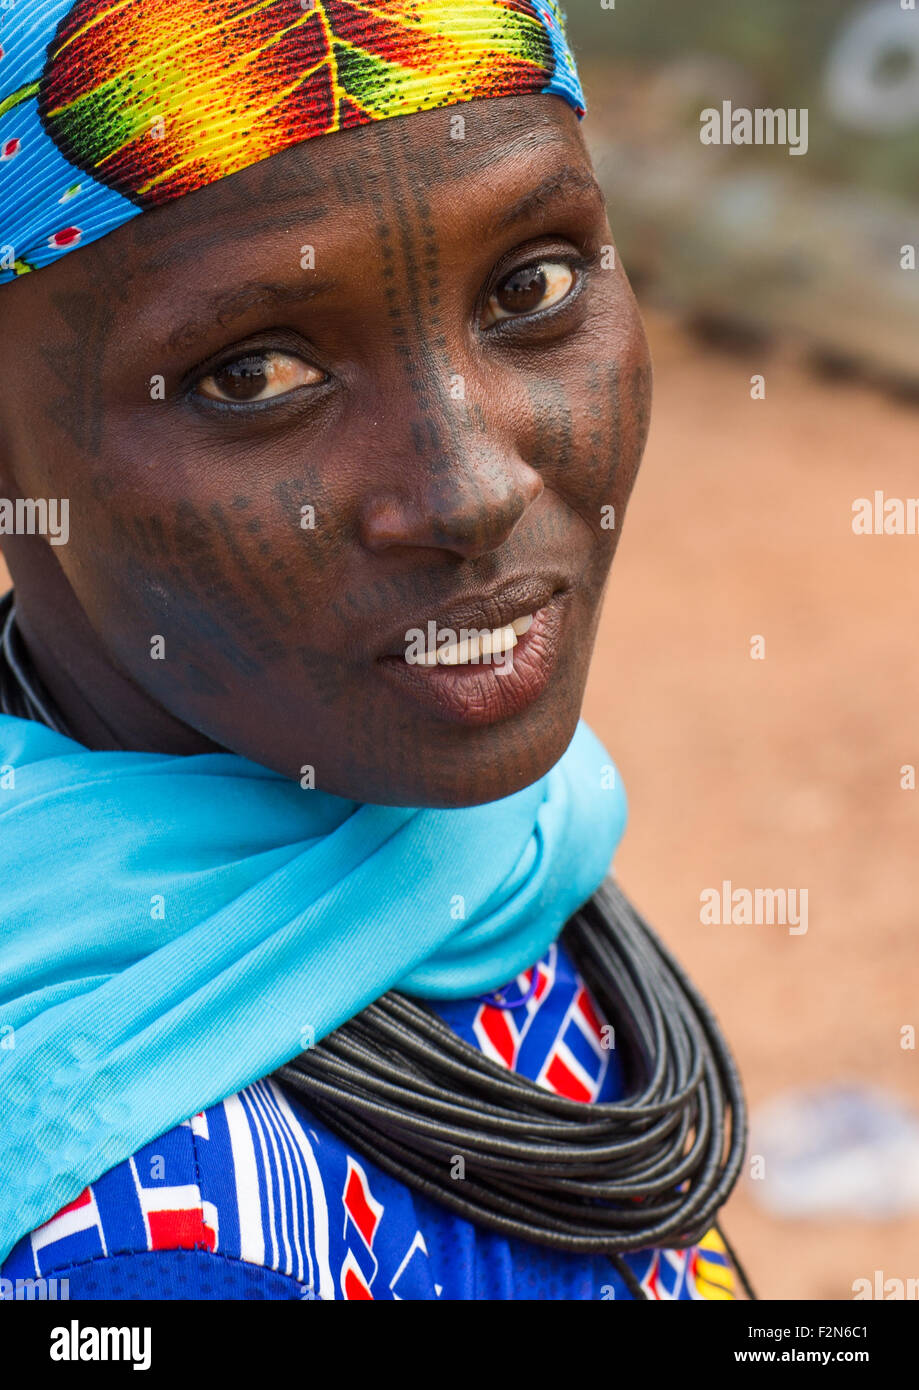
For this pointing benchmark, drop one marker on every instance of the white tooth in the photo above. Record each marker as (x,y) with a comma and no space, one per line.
(503,640)
(458,653)
(473,649)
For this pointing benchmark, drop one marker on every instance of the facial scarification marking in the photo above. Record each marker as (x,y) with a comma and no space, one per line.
(273,630)
(88,320)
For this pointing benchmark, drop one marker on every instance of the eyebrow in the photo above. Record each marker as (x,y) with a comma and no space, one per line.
(566,180)
(225,309)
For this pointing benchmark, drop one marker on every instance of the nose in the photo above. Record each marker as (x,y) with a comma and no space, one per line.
(458,489)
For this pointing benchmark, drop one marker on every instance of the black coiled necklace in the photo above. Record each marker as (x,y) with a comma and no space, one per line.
(395,1082)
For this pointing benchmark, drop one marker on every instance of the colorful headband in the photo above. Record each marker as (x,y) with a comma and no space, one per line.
(111,107)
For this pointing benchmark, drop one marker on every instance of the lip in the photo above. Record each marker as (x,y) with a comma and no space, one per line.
(477,695)
(514,599)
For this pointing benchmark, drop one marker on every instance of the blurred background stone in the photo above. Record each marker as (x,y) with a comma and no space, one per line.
(804,248)
(836,1151)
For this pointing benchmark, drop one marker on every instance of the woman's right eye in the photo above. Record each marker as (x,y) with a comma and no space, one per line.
(530,290)
(258,376)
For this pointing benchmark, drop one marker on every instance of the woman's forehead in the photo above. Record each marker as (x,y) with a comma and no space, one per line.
(356,169)
(330,207)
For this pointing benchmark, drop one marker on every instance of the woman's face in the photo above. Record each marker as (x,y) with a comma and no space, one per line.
(386,379)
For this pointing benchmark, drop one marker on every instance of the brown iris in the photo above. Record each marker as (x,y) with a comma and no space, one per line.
(244,380)
(530,289)
(258,376)
(524,291)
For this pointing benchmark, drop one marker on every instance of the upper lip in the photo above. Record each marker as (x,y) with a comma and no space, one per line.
(516,598)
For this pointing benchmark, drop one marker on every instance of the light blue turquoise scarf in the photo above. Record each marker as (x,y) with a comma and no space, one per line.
(172,929)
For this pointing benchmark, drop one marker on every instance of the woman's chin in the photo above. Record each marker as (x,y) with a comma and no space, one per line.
(484,770)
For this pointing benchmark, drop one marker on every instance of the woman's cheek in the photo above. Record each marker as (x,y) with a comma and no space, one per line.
(592,432)
(230,582)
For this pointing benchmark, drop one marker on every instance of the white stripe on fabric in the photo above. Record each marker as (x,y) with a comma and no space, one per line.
(268,1179)
(300,1198)
(287,1199)
(245,1169)
(326,1288)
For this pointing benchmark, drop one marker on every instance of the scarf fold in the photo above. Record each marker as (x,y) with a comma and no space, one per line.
(172,929)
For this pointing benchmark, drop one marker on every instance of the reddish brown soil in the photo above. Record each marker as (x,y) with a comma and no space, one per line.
(783,772)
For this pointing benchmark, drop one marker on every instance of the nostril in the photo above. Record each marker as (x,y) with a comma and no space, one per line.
(384,523)
(467,510)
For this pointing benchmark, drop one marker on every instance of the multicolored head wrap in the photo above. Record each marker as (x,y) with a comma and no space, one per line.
(111,107)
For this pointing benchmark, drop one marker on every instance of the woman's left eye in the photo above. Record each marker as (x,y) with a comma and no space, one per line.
(258,376)
(530,290)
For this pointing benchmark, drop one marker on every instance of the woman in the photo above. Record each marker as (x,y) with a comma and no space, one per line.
(313,334)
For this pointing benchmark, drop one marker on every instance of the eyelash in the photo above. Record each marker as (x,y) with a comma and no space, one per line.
(578,264)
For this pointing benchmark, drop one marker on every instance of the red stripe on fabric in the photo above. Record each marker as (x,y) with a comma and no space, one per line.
(586,1006)
(179,1230)
(359,1209)
(564,1082)
(355,1288)
(497,1029)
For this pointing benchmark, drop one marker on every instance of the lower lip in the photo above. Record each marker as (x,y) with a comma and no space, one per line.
(484,694)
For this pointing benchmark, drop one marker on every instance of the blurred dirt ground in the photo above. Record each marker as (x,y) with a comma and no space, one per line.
(775,773)
(783,772)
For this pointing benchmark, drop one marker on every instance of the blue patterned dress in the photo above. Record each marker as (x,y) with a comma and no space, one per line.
(256,1199)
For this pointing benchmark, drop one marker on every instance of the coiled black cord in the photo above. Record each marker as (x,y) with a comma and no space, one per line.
(647,1171)
(408,1093)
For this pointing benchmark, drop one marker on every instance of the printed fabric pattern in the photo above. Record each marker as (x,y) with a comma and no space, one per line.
(255,1199)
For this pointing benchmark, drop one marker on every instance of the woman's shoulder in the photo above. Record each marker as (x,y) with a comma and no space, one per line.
(256,1198)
